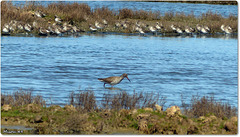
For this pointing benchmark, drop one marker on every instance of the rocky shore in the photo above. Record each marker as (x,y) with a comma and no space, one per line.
(69,120)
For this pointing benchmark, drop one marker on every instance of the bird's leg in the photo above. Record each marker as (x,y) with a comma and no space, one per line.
(104,85)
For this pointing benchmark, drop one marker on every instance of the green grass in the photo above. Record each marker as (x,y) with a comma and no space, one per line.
(221,125)
(150,125)
(94,116)
(161,115)
(17,113)
(134,125)
(184,117)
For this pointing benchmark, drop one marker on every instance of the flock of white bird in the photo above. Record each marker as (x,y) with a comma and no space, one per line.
(60,27)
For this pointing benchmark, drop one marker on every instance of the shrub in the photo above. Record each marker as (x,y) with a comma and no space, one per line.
(208,105)
(84,100)
(125,100)
(21,97)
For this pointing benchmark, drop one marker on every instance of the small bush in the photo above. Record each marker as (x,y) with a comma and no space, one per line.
(125,13)
(124,100)
(84,100)
(76,123)
(208,105)
(21,97)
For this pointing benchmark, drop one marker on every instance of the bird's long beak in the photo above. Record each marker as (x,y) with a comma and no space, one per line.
(128,79)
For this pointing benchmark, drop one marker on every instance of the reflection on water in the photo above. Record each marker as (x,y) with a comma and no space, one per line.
(174,35)
(56,66)
(113,88)
(19,127)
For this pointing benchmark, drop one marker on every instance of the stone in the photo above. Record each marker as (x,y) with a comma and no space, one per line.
(212,117)
(190,122)
(148,109)
(70,108)
(192,129)
(234,119)
(142,126)
(55,108)
(38,119)
(201,118)
(174,110)
(158,108)
(209,119)
(33,108)
(133,112)
(124,112)
(231,125)
(143,116)
(106,114)
(6,107)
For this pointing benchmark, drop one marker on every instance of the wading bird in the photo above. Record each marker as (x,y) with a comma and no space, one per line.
(113,80)
(226,29)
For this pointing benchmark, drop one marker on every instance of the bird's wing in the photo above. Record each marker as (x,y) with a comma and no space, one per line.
(107,80)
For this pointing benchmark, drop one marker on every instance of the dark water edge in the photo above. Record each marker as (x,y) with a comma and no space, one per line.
(197,2)
(197,35)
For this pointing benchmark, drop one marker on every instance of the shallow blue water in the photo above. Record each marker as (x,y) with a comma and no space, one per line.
(55,66)
(163,7)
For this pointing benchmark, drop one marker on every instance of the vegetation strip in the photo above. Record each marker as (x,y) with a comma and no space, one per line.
(134,114)
(61,19)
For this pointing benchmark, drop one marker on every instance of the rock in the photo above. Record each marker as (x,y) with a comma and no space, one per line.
(6,107)
(209,119)
(124,112)
(33,108)
(143,116)
(190,122)
(38,119)
(174,110)
(148,109)
(192,129)
(142,126)
(158,108)
(133,112)
(231,125)
(106,114)
(234,119)
(55,108)
(212,117)
(70,108)
(99,127)
(201,118)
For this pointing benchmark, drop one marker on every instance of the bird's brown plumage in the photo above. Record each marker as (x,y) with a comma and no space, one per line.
(113,80)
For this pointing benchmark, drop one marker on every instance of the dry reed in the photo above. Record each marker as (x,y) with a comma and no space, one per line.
(202,106)
(22,97)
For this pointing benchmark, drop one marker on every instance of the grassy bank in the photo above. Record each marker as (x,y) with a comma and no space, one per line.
(77,18)
(120,114)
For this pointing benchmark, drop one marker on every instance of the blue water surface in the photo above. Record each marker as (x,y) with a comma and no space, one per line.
(55,66)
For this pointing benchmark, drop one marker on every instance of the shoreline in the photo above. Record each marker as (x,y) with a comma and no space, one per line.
(136,114)
(214,35)
(60,18)
(33,119)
